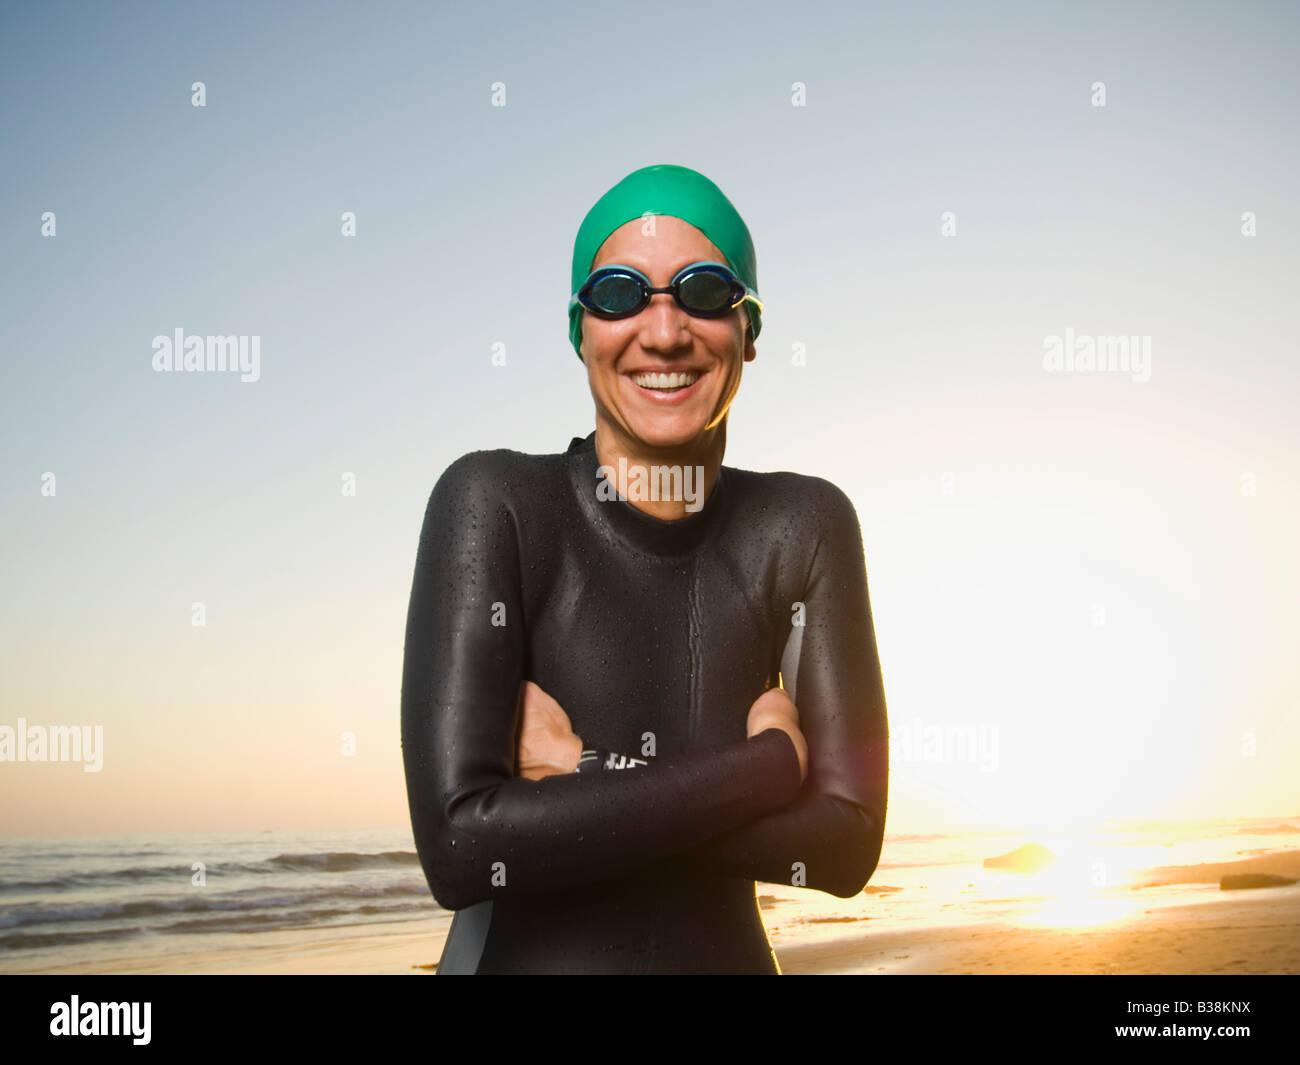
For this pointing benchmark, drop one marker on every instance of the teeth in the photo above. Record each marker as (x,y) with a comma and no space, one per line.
(665,380)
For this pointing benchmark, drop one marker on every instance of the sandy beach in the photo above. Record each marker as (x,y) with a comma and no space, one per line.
(1248,932)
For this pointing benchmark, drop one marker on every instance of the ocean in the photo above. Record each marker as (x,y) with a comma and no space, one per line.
(82,900)
(73,899)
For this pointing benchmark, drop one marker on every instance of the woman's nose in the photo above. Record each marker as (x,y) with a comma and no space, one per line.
(664,323)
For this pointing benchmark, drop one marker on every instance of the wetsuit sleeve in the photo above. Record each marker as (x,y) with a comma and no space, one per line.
(480,831)
(830,837)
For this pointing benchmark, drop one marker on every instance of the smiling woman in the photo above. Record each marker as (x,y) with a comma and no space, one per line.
(629,359)
(552,616)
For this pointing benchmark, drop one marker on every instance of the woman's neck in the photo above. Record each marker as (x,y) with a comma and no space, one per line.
(666,483)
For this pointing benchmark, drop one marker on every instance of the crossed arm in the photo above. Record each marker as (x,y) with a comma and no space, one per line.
(822,829)
(482,831)
(548,746)
(830,836)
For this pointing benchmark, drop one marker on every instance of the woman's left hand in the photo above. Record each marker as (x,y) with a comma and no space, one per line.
(547,745)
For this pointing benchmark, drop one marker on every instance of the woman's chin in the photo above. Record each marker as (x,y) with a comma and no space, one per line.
(668,431)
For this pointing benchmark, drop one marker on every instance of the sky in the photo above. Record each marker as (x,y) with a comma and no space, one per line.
(1084,582)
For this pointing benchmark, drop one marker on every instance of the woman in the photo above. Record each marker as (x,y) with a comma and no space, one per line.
(550,613)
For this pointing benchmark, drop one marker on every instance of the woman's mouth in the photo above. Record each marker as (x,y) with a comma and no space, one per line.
(666,387)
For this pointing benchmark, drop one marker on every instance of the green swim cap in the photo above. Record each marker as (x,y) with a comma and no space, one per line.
(665,189)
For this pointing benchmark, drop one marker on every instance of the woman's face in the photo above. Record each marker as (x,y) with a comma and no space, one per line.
(663,338)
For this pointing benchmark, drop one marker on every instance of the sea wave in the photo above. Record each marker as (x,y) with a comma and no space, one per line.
(345,861)
(29,915)
(327,862)
(262,922)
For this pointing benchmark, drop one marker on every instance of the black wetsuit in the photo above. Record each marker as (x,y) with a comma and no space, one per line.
(655,637)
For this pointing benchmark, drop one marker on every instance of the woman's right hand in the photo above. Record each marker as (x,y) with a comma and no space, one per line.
(774,709)
(546,744)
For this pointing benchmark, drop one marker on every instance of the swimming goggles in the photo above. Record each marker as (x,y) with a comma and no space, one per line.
(703,289)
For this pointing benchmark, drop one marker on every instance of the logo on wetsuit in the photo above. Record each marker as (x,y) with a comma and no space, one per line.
(593,759)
